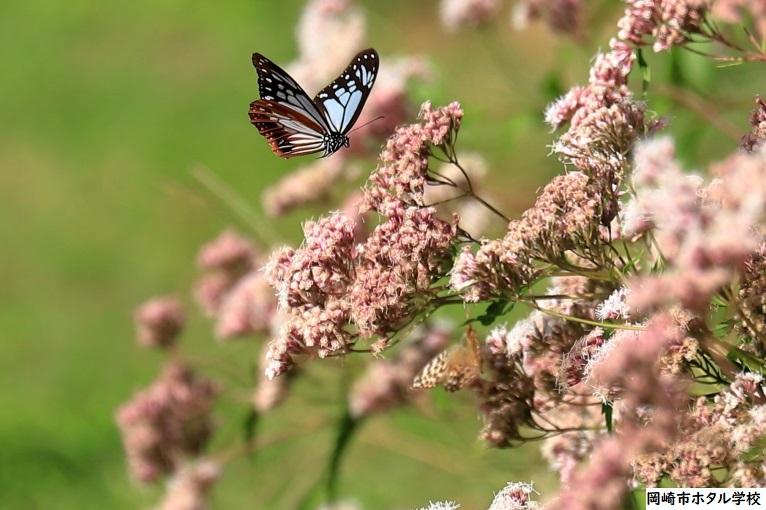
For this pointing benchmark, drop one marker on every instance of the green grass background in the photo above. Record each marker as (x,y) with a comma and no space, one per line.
(105,107)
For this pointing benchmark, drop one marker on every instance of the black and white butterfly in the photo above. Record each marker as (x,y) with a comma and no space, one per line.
(293,124)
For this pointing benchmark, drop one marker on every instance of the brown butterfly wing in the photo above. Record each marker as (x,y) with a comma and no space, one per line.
(453,368)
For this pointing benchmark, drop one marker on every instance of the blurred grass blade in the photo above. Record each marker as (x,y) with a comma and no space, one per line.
(646,73)
(607,410)
(346,427)
(249,428)
(236,203)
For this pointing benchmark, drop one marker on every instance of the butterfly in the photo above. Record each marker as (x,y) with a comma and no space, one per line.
(453,368)
(294,124)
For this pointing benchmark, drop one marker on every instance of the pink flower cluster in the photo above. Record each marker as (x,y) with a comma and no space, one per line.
(332,291)
(705,233)
(159,321)
(603,118)
(397,265)
(632,367)
(233,288)
(467,13)
(401,175)
(189,487)
(566,217)
(311,284)
(249,307)
(223,260)
(714,436)
(167,422)
(330,283)
(668,22)
(562,16)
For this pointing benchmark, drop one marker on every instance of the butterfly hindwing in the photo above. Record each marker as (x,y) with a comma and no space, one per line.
(343,99)
(288,132)
(433,373)
(454,368)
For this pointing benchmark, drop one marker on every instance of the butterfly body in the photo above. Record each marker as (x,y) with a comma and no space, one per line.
(294,124)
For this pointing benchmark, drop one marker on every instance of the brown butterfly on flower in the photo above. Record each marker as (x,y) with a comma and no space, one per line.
(454,368)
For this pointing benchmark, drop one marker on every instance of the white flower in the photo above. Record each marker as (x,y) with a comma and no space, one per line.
(514,496)
(441,505)
(615,306)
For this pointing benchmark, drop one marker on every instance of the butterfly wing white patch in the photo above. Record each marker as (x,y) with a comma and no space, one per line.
(343,99)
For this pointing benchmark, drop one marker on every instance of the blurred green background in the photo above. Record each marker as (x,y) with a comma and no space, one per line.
(105,108)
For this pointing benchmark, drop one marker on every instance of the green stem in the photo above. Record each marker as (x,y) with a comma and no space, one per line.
(608,325)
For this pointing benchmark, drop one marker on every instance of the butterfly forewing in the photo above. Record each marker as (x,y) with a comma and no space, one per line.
(343,99)
(276,85)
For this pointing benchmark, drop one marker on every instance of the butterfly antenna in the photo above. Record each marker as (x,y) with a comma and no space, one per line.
(366,123)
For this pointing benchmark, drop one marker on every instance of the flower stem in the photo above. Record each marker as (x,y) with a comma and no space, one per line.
(608,325)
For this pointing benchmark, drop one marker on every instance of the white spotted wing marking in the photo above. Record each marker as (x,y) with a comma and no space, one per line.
(343,99)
